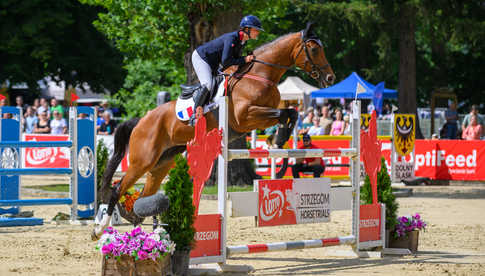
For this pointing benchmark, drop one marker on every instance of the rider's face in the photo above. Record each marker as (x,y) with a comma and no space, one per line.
(254,33)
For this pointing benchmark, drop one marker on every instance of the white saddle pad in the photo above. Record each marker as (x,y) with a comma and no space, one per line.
(185,108)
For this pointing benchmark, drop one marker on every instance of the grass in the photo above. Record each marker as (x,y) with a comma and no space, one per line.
(208,190)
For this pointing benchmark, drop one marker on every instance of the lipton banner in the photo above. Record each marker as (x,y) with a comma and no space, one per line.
(293,201)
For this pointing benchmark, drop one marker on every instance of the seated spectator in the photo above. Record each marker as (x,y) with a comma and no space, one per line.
(30,120)
(105,108)
(44,107)
(338,126)
(451,121)
(315,165)
(315,129)
(347,130)
(474,130)
(36,105)
(43,124)
(108,126)
(325,120)
(473,111)
(58,124)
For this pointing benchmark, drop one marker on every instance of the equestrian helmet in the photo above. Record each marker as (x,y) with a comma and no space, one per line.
(251,21)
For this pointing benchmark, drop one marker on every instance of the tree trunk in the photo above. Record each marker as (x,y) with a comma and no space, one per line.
(407,63)
(240,172)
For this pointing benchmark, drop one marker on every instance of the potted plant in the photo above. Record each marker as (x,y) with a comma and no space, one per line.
(135,252)
(406,232)
(179,218)
(384,195)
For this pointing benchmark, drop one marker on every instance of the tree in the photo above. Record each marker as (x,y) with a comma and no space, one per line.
(57,39)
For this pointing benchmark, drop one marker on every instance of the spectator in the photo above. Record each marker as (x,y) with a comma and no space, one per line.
(58,124)
(3,102)
(309,117)
(55,107)
(99,120)
(43,108)
(473,111)
(108,126)
(271,130)
(347,125)
(315,129)
(30,120)
(36,105)
(474,130)
(451,121)
(315,165)
(19,102)
(105,108)
(43,124)
(338,126)
(325,120)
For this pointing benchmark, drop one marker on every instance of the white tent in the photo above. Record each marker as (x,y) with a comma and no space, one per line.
(294,88)
(50,89)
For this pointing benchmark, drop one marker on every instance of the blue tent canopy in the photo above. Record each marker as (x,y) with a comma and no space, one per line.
(349,86)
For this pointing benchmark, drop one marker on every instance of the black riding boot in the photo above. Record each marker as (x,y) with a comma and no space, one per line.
(200,98)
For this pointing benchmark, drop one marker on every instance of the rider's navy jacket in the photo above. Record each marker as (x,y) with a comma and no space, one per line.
(225,50)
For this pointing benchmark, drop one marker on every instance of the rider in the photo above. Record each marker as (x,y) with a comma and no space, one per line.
(224,50)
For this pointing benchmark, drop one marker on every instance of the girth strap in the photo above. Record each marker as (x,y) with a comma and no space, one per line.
(258,78)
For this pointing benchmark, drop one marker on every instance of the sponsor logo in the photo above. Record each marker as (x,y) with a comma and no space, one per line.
(368,223)
(440,158)
(206,236)
(364,121)
(272,204)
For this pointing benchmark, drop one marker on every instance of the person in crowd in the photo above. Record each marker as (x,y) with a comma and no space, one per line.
(55,106)
(44,107)
(347,130)
(474,130)
(326,120)
(451,121)
(104,107)
(271,130)
(473,111)
(58,124)
(30,120)
(43,124)
(307,121)
(19,102)
(434,136)
(108,126)
(315,129)
(36,105)
(315,165)
(338,126)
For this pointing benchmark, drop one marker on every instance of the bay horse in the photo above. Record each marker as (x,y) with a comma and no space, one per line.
(155,139)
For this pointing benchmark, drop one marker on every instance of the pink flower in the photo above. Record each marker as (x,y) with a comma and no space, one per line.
(106,249)
(142,255)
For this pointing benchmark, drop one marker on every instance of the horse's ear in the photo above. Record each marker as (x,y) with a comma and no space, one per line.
(308,32)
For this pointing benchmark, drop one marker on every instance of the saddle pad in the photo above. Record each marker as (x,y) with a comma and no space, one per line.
(185,108)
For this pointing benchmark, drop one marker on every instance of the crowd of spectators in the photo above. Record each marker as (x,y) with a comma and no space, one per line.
(49,117)
(471,127)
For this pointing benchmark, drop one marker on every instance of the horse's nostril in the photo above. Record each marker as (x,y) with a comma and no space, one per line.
(330,78)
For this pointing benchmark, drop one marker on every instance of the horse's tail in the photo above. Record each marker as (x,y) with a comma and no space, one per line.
(121,141)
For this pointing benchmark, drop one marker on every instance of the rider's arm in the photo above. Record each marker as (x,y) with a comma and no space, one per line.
(228,58)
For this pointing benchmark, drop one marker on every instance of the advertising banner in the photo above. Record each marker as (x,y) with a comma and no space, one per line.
(370,222)
(293,201)
(46,157)
(207,236)
(403,133)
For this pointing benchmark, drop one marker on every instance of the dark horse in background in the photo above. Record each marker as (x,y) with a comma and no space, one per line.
(155,139)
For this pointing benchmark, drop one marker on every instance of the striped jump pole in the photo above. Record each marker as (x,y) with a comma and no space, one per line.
(289,153)
(292,245)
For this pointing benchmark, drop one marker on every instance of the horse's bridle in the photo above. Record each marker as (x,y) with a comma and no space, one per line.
(315,73)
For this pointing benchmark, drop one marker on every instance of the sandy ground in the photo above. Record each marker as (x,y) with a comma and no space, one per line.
(454,243)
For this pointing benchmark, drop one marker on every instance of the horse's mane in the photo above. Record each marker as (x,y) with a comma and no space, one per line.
(271,44)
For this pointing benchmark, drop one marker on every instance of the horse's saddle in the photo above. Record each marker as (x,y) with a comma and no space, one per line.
(184,108)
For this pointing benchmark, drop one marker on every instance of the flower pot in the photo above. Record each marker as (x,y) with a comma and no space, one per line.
(180,262)
(127,266)
(409,241)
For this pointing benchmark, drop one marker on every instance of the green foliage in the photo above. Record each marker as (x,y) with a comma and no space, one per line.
(102,156)
(384,194)
(180,215)
(57,39)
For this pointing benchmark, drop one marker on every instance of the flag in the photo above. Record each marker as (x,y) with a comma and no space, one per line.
(74,97)
(378,97)
(2,97)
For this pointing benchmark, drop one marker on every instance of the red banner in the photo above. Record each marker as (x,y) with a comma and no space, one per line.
(370,222)
(207,236)
(46,157)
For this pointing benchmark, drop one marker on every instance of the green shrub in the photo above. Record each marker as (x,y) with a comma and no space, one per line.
(180,215)
(384,194)
(102,160)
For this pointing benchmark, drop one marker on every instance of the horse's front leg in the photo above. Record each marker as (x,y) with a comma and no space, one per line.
(98,231)
(260,117)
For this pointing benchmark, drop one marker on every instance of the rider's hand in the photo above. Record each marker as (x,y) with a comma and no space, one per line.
(249,58)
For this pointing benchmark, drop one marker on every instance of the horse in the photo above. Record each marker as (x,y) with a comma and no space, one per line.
(154,140)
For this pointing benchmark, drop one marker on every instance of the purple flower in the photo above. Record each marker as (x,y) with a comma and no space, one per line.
(149,244)
(135,232)
(417,216)
(142,254)
(106,249)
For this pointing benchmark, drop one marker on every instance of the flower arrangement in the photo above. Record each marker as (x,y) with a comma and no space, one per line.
(407,224)
(128,200)
(137,243)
